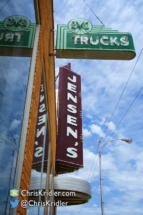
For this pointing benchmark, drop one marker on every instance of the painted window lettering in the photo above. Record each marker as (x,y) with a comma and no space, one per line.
(40,125)
(11,36)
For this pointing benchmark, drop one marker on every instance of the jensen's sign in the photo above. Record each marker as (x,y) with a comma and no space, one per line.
(41,134)
(16,36)
(69,140)
(79,39)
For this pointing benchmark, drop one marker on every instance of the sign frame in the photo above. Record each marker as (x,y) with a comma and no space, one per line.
(98,43)
(18,41)
(69,156)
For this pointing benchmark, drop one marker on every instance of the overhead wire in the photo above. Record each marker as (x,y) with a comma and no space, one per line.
(114,112)
(93,12)
(8,129)
(93,164)
(94,161)
(118,100)
(98,32)
(56,77)
(127,111)
(0,115)
(4,5)
(95,156)
(122,94)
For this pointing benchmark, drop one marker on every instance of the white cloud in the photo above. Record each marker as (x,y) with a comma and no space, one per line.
(86,173)
(111,126)
(122,168)
(15,124)
(102,85)
(86,132)
(97,130)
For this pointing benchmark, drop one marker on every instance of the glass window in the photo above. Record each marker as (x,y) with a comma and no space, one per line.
(41,156)
(14,72)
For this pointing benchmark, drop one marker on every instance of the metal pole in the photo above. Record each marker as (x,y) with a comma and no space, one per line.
(9,185)
(48,181)
(100,167)
(101,187)
(42,166)
(11,172)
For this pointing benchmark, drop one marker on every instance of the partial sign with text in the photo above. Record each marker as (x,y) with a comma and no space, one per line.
(69,139)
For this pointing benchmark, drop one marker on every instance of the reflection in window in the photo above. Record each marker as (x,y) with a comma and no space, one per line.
(14,72)
(13,82)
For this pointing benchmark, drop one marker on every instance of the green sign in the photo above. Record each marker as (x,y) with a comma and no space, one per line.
(79,39)
(80,26)
(16,36)
(16,23)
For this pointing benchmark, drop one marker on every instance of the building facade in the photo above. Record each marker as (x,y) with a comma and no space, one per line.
(28,123)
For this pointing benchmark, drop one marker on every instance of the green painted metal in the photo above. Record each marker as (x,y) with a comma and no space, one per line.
(16,23)
(80,26)
(16,39)
(10,38)
(98,42)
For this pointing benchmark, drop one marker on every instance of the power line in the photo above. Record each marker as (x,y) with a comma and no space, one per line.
(122,93)
(115,110)
(94,168)
(56,77)
(93,164)
(93,12)
(127,111)
(0,115)
(4,5)
(92,174)
(89,176)
(7,128)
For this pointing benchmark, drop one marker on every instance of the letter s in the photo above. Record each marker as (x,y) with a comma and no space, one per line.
(72,152)
(38,152)
(72,108)
(124,41)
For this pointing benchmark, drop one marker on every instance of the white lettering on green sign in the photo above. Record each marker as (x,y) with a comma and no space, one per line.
(11,36)
(105,40)
(82,40)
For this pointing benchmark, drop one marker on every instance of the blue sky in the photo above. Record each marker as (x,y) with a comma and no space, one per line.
(13,82)
(102,85)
